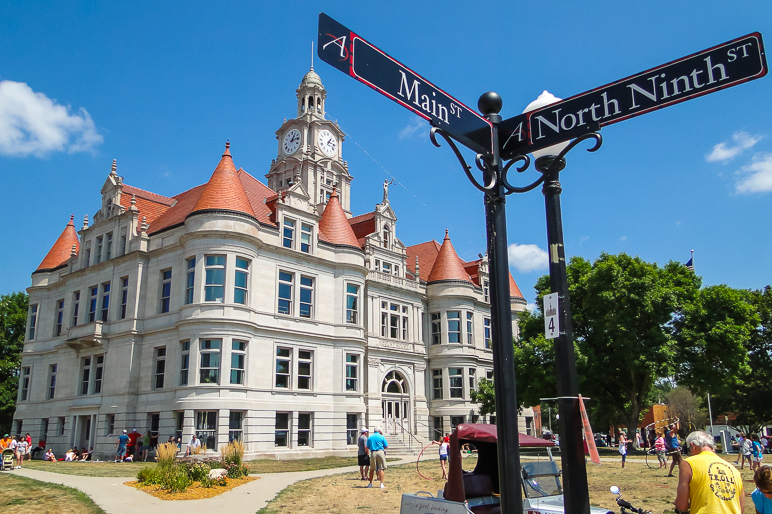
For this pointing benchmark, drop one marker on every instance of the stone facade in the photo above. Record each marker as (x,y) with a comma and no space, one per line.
(261,312)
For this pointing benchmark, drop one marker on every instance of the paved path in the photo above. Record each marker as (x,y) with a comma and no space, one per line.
(115,498)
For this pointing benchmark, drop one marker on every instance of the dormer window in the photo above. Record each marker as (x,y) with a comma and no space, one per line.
(386,236)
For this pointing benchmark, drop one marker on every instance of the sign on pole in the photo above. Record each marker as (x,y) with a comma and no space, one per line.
(711,70)
(356,57)
(551,320)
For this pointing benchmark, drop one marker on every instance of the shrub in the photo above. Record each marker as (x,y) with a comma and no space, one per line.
(197,470)
(206,482)
(166,453)
(232,453)
(175,479)
(148,476)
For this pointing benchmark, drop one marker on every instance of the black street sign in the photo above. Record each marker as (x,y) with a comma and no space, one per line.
(711,70)
(354,56)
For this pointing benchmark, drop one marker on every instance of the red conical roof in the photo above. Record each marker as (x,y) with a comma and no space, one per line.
(448,266)
(62,249)
(514,291)
(334,226)
(224,191)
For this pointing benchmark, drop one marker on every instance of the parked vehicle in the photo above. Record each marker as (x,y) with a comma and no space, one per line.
(477,491)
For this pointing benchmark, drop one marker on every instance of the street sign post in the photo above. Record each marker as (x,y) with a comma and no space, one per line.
(356,57)
(711,70)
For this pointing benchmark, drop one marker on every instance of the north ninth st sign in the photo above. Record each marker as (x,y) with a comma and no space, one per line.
(722,66)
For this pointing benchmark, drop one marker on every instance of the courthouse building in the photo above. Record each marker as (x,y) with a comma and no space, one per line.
(260,311)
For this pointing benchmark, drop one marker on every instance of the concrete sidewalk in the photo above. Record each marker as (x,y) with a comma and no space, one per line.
(116,498)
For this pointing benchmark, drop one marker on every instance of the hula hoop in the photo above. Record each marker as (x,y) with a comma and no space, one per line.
(419,458)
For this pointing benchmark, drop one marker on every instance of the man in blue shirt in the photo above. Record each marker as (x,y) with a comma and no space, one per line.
(376,443)
(121,443)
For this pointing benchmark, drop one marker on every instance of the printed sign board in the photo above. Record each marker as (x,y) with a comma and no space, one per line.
(551,320)
(711,70)
(356,57)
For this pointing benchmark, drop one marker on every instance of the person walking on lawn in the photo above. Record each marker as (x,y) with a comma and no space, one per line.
(377,445)
(363,453)
(707,484)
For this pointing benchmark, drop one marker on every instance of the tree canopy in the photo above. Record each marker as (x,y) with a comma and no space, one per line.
(13,320)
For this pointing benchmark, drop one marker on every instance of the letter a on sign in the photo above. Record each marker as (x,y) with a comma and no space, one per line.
(551,320)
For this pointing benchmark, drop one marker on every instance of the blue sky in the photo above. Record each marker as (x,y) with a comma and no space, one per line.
(160,87)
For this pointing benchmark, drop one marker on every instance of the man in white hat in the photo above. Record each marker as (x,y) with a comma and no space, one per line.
(363,453)
(377,445)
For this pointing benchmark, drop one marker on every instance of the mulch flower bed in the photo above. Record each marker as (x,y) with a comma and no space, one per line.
(194,492)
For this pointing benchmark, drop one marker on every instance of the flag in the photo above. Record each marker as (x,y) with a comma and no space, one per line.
(690,264)
(588,435)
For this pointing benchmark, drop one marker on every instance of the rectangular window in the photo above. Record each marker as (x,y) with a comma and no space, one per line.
(283,367)
(472,379)
(437,384)
(206,428)
(306,297)
(166,290)
(98,373)
(489,374)
(124,296)
(486,291)
(184,362)
(241,280)
(179,422)
(455,421)
(285,292)
(61,425)
(469,329)
(160,368)
(352,372)
(352,434)
(305,237)
(108,245)
(214,290)
(454,327)
(436,328)
(394,320)
(238,361)
(487,333)
(352,303)
(304,429)
(24,384)
(288,235)
(88,254)
(33,320)
(85,375)
(456,380)
(305,364)
(210,361)
(75,306)
(282,431)
(98,255)
(387,267)
(123,243)
(59,318)
(51,381)
(235,422)
(191,280)
(110,424)
(105,300)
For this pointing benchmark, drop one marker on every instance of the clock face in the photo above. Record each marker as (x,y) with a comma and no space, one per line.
(327,142)
(291,141)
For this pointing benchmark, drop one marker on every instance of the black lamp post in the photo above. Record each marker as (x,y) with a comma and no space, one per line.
(496,188)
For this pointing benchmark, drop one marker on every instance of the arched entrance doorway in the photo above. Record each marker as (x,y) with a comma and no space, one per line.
(395,403)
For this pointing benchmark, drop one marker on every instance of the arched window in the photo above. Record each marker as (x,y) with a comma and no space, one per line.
(386,236)
(394,383)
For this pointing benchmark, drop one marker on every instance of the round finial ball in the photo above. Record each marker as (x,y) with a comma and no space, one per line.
(489,103)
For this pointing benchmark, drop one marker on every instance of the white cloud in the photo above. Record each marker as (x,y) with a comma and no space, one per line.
(623,238)
(757,176)
(527,258)
(33,124)
(725,151)
(532,307)
(416,126)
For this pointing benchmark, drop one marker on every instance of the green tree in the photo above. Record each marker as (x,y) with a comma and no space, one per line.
(622,310)
(687,407)
(743,329)
(485,395)
(13,320)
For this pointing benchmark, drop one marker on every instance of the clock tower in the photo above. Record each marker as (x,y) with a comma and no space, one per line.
(309,149)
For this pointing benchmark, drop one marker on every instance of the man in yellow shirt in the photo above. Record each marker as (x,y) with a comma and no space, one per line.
(707,484)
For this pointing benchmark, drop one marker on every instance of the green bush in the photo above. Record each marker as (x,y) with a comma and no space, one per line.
(197,470)
(175,479)
(206,482)
(148,476)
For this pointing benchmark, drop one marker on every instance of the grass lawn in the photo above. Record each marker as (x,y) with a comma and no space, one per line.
(24,495)
(346,494)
